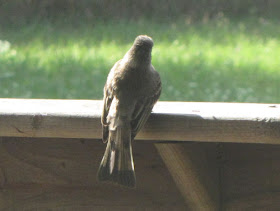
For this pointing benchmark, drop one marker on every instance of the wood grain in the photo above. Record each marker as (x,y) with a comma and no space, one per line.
(250,177)
(60,174)
(170,121)
(194,177)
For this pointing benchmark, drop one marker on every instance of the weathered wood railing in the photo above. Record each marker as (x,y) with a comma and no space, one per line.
(170,121)
(203,165)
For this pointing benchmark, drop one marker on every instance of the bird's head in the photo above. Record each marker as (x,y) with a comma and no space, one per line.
(143,42)
(141,50)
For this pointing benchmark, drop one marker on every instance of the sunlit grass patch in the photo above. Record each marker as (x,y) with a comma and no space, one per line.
(221,60)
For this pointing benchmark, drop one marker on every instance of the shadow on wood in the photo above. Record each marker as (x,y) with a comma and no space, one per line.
(61,174)
(195,175)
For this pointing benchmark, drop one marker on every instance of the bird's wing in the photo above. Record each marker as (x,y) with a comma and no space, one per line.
(107,100)
(106,106)
(143,110)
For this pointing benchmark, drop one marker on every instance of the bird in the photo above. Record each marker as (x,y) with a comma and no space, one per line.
(132,88)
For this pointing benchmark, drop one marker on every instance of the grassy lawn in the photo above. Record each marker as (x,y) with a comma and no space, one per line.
(221,60)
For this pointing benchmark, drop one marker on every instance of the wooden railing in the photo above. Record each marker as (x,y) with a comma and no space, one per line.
(170,121)
(198,164)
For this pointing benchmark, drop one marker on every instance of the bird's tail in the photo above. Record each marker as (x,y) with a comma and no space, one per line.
(117,164)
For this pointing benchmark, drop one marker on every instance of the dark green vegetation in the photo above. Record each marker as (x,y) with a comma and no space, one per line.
(24,11)
(218,60)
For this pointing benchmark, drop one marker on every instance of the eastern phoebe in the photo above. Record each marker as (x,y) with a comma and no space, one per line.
(133,87)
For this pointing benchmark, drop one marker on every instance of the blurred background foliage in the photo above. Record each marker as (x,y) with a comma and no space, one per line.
(27,10)
(213,50)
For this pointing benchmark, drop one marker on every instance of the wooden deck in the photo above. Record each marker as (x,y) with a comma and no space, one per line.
(195,156)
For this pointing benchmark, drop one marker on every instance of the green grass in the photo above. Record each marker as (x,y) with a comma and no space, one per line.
(221,60)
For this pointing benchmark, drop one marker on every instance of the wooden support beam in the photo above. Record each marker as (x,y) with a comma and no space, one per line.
(170,121)
(190,170)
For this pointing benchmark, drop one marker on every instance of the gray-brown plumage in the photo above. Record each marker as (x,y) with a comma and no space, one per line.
(132,88)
